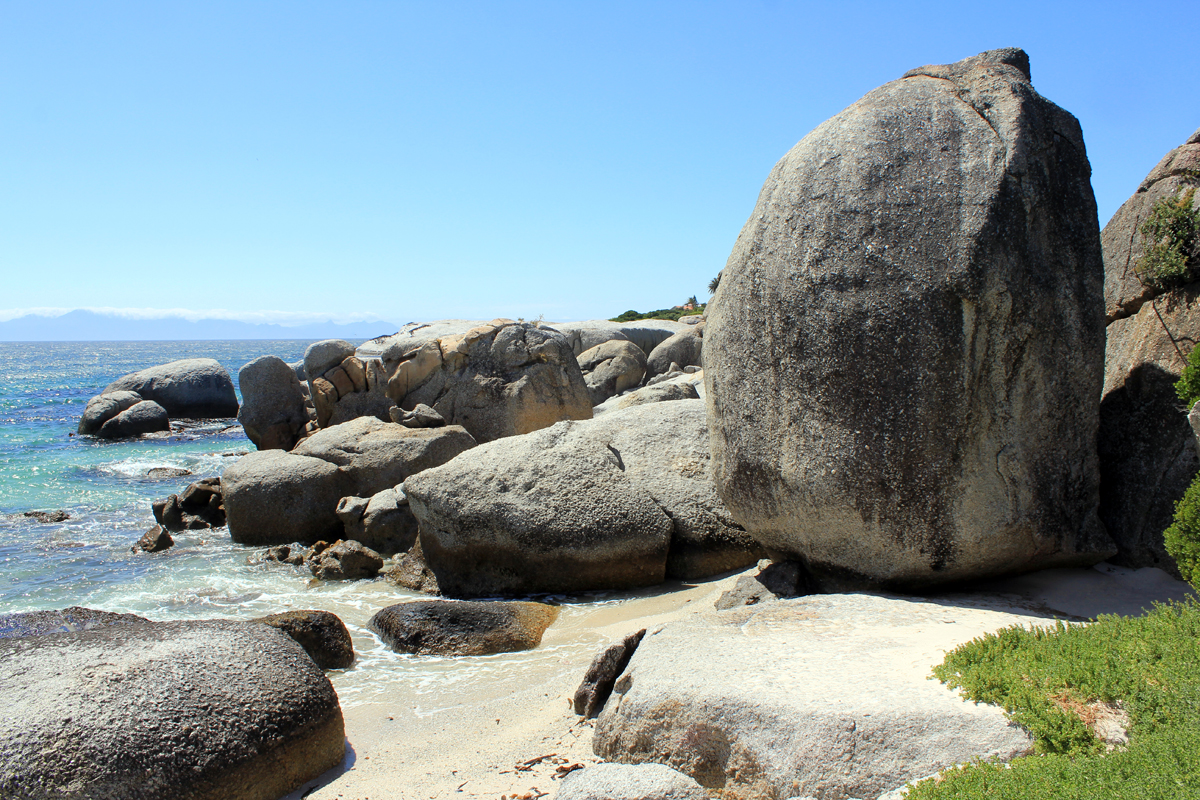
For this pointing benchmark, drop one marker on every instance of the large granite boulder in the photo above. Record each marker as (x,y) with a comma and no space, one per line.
(103,407)
(322,356)
(344,560)
(273,413)
(462,628)
(392,349)
(273,497)
(904,350)
(351,389)
(496,380)
(194,388)
(1124,292)
(1147,455)
(144,417)
(620,501)
(276,497)
(823,696)
(376,455)
(645,333)
(686,386)
(211,710)
(611,368)
(685,349)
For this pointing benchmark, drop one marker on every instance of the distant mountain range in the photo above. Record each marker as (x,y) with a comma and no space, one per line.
(83,326)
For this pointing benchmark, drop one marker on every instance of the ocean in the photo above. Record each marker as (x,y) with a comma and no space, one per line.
(105,488)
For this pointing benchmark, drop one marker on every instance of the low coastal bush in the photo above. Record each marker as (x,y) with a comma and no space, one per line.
(1187,388)
(1171,242)
(1055,681)
(662,313)
(1183,537)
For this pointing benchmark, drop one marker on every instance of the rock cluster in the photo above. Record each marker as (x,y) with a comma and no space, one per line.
(143,402)
(200,505)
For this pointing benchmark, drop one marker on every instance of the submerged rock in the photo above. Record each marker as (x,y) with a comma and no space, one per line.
(75,618)
(902,356)
(140,418)
(463,628)
(103,407)
(200,505)
(208,709)
(154,540)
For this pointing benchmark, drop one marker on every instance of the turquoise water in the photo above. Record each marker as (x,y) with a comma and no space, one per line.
(104,486)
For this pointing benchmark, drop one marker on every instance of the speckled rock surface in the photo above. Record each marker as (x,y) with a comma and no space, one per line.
(322,634)
(629,782)
(75,618)
(463,628)
(212,710)
(903,355)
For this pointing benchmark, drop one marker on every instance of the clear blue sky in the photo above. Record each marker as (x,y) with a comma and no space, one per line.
(417,161)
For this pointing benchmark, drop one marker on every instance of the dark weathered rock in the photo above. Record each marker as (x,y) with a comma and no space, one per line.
(211,710)
(155,540)
(294,554)
(200,505)
(497,380)
(463,628)
(902,357)
(47,517)
(103,407)
(345,561)
(776,580)
(197,388)
(161,473)
(602,673)
(75,618)
(144,417)
(410,571)
(322,635)
(273,412)
(1124,291)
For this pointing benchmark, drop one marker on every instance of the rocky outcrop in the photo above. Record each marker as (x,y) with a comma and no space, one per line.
(140,418)
(822,696)
(1147,455)
(602,675)
(902,356)
(272,497)
(154,540)
(611,368)
(273,412)
(322,635)
(466,628)
(103,407)
(182,710)
(382,522)
(685,348)
(194,388)
(621,501)
(629,782)
(200,505)
(349,390)
(344,560)
(497,380)
(645,333)
(1124,292)
(681,387)
(391,349)
(75,618)
(780,579)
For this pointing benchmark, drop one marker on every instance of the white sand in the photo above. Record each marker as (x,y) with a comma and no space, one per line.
(472,744)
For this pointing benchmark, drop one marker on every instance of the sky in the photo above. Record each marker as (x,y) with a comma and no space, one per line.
(288,161)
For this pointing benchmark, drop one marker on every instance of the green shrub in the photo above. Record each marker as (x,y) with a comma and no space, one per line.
(662,313)
(1170,242)
(1183,537)
(1044,678)
(1188,385)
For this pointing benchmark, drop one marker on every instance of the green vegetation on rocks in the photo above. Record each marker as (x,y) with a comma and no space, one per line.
(1188,385)
(1171,237)
(1182,539)
(662,313)
(1058,682)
